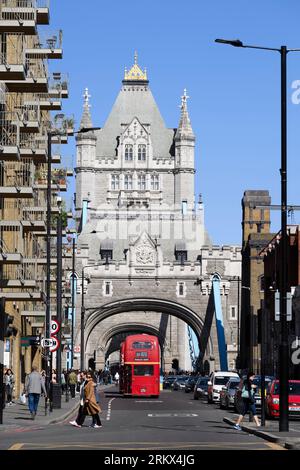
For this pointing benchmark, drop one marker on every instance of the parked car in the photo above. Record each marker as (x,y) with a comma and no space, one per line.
(272,399)
(190,384)
(200,390)
(168,381)
(227,393)
(238,401)
(179,383)
(217,380)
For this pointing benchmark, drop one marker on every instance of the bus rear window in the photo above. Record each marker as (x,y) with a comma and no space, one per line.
(142,345)
(146,370)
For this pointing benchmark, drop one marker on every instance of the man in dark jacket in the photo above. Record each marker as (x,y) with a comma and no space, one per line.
(34,385)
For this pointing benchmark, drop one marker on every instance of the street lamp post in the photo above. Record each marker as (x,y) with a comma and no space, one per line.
(73,300)
(48,248)
(82,315)
(59,296)
(283,347)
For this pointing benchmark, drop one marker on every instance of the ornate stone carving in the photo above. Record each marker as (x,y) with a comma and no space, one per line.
(145,254)
(144,250)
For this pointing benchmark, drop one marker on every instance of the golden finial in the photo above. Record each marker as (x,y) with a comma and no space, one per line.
(135,73)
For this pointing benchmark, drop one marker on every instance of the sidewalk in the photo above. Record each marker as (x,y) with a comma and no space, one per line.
(18,416)
(289,440)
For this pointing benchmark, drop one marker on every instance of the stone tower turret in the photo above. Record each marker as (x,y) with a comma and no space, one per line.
(184,160)
(85,158)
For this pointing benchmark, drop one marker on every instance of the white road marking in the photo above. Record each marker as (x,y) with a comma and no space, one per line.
(109,409)
(148,401)
(172,415)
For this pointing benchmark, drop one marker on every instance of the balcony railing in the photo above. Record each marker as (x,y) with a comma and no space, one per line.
(16,174)
(12,49)
(36,143)
(34,214)
(48,41)
(9,130)
(11,240)
(59,85)
(36,67)
(22,272)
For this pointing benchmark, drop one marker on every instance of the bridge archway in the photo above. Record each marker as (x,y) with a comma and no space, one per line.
(138,304)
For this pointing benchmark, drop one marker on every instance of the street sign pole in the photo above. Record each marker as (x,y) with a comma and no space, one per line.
(2,323)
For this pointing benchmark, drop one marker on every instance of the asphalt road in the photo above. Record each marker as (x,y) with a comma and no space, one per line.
(174,421)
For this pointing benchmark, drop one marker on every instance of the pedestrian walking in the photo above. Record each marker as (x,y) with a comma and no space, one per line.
(248,392)
(63,382)
(78,422)
(88,404)
(116,377)
(72,382)
(9,382)
(91,407)
(34,385)
(43,377)
(78,383)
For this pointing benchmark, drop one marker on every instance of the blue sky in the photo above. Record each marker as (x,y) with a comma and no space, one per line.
(234,93)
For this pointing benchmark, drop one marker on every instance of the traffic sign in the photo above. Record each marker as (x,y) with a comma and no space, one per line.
(30,341)
(55,327)
(47,342)
(55,344)
(76,349)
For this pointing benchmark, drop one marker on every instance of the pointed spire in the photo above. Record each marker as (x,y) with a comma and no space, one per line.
(86,120)
(184,130)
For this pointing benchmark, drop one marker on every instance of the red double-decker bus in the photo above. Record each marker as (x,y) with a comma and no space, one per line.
(140,366)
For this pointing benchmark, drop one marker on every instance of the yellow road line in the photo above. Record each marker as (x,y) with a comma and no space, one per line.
(275,446)
(151,445)
(16,446)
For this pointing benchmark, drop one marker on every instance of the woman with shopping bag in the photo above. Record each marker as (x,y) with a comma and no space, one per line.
(248,392)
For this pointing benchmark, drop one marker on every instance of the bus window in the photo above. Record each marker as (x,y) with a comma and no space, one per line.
(145,370)
(142,345)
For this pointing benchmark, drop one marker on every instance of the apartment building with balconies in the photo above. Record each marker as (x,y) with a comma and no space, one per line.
(28,93)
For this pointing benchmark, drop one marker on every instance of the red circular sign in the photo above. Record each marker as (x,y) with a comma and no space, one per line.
(55,327)
(56,344)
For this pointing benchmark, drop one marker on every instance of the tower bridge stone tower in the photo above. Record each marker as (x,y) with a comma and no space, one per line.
(149,260)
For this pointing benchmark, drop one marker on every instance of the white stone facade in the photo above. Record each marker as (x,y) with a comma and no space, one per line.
(142,233)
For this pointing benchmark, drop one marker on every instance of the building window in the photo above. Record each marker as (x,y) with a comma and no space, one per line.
(184,207)
(128,152)
(107,288)
(115,182)
(142,152)
(233,312)
(128,182)
(142,182)
(154,182)
(181,256)
(181,289)
(106,254)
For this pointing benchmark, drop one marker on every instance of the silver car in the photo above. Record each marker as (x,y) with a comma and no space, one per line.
(227,393)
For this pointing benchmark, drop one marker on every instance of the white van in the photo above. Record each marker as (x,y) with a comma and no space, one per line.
(217,380)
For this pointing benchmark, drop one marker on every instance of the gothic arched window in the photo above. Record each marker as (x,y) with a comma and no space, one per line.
(128,182)
(115,182)
(142,182)
(154,182)
(142,152)
(128,152)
